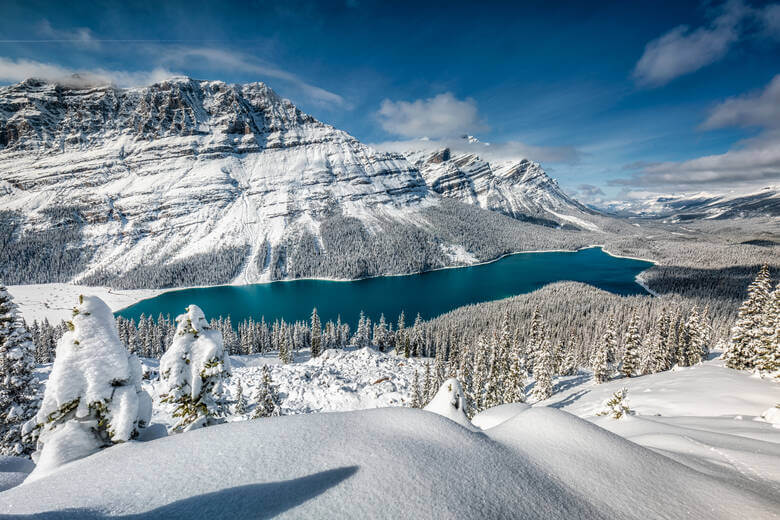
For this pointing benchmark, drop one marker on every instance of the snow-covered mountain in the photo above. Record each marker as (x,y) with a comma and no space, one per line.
(113,180)
(189,182)
(760,203)
(518,188)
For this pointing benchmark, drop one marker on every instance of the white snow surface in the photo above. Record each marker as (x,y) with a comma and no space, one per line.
(497,415)
(707,455)
(450,402)
(48,301)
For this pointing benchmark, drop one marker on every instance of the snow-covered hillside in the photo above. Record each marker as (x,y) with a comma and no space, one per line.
(520,189)
(695,448)
(184,168)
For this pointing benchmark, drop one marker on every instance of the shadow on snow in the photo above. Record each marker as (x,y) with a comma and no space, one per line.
(253,501)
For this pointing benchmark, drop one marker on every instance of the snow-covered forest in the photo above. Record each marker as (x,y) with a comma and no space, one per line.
(110,381)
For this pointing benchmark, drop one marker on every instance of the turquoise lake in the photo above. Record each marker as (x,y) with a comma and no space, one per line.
(431,294)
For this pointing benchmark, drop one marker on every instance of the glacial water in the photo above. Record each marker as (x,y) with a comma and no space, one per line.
(430,294)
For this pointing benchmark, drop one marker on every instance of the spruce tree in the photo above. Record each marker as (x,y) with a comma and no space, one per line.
(239,408)
(18,384)
(316,334)
(93,396)
(598,361)
(632,345)
(267,403)
(767,358)
(193,370)
(543,387)
(416,392)
(746,335)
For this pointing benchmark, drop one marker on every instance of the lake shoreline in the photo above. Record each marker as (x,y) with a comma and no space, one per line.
(34,305)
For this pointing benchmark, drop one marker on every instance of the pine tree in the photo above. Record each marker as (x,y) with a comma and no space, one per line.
(746,335)
(266,399)
(632,345)
(380,334)
(428,387)
(767,358)
(239,408)
(417,337)
(479,376)
(693,340)
(416,392)
(18,384)
(193,370)
(93,396)
(543,387)
(616,406)
(316,334)
(514,386)
(598,361)
(534,339)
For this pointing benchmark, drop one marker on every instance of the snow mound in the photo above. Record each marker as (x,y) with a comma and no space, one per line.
(450,402)
(772,416)
(389,463)
(497,415)
(621,477)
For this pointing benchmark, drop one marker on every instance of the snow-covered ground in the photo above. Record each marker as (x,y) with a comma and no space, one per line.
(696,447)
(55,301)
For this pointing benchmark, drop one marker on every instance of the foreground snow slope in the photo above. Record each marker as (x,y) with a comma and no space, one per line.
(387,463)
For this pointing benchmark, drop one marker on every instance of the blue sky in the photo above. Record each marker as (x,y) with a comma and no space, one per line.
(621,98)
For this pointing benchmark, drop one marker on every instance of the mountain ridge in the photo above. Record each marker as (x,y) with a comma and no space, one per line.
(195,182)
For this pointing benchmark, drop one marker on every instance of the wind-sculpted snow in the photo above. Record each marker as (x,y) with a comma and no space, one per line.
(387,463)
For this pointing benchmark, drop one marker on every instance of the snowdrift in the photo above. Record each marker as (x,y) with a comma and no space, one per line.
(385,463)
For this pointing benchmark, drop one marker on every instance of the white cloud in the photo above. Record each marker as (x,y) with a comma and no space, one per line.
(682,50)
(749,163)
(81,36)
(755,161)
(440,116)
(761,109)
(18,70)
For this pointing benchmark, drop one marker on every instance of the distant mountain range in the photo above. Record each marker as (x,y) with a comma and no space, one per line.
(760,203)
(200,182)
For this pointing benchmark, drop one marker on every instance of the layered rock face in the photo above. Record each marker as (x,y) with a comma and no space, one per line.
(520,189)
(181,168)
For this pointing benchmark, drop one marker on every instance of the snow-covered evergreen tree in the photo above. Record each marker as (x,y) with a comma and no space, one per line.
(316,334)
(632,345)
(380,334)
(18,384)
(417,337)
(616,406)
(193,370)
(767,357)
(747,335)
(598,362)
(93,396)
(416,392)
(514,386)
(543,387)
(239,408)
(693,340)
(267,403)
(362,337)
